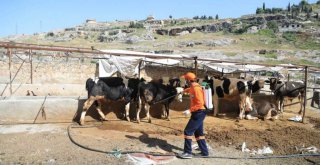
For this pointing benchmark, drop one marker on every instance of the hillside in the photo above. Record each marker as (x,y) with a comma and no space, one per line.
(278,37)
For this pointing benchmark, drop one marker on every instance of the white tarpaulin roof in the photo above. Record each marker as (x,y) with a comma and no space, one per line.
(232,67)
(126,62)
(128,65)
(151,55)
(222,67)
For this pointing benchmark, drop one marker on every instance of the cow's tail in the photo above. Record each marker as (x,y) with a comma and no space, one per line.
(138,93)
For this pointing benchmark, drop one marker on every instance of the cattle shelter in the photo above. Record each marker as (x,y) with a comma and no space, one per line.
(43,90)
(49,71)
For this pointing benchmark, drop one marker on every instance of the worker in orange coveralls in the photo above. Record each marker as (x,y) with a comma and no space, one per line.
(198,114)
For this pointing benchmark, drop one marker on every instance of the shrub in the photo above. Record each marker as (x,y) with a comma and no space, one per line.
(136,25)
(290,36)
(273,25)
(267,32)
(270,55)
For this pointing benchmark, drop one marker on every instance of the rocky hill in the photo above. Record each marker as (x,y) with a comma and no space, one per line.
(273,36)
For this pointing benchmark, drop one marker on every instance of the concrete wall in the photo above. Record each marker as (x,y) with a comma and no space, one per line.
(44,89)
(59,77)
(47,72)
(25,109)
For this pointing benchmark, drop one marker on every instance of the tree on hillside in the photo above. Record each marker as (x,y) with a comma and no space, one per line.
(203,17)
(294,11)
(308,11)
(196,17)
(289,7)
(210,17)
(273,25)
(264,6)
(135,25)
(268,11)
(303,5)
(259,10)
(217,16)
(170,16)
(276,10)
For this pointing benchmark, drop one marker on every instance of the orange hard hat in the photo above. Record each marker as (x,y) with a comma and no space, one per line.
(189,76)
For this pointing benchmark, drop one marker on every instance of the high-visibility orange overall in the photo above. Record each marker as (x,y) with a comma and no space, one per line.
(195,124)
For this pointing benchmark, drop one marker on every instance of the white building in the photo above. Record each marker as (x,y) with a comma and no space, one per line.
(290,27)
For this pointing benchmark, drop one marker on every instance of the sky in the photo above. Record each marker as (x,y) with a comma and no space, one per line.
(31,16)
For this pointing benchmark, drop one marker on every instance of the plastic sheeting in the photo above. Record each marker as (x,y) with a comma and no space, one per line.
(232,67)
(129,65)
(133,53)
(222,67)
(146,159)
(106,69)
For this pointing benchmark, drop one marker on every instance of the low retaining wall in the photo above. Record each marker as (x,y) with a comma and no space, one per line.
(44,89)
(25,109)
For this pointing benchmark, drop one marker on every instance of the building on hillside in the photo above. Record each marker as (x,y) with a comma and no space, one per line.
(152,23)
(290,27)
(91,21)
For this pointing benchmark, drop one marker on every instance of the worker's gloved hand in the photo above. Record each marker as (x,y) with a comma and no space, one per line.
(186,112)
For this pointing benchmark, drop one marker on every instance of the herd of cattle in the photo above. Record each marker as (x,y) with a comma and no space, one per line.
(145,94)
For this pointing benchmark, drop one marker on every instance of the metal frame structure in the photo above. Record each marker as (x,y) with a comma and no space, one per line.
(9,46)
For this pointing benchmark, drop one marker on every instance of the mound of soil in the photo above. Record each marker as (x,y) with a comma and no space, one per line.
(282,140)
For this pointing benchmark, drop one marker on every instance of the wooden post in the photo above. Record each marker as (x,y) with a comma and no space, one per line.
(305,91)
(222,72)
(10,76)
(196,65)
(139,68)
(31,67)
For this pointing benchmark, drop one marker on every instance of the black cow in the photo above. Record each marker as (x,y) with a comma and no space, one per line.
(153,92)
(133,83)
(288,89)
(109,89)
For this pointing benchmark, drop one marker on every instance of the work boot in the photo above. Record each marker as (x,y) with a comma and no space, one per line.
(185,156)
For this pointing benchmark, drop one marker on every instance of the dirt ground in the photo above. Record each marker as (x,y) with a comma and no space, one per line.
(50,144)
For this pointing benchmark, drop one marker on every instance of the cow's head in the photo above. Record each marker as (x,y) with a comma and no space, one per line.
(256,85)
(273,83)
(175,82)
